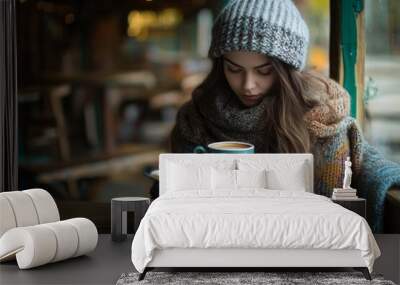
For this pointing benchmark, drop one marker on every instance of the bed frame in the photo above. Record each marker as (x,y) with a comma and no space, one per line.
(241,259)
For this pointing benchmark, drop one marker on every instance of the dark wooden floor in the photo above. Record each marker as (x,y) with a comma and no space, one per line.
(110,260)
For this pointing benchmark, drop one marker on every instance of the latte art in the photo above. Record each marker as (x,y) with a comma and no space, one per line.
(231,146)
(237,147)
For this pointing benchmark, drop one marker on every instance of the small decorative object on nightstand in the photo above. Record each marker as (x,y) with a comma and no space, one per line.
(346,192)
(347,174)
(357,205)
(119,209)
(347,196)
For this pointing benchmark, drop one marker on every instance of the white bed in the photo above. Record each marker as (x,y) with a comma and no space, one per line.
(196,224)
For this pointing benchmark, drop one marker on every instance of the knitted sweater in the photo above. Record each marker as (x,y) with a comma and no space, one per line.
(219,116)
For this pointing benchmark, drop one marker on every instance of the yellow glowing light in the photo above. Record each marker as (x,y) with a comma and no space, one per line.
(318,58)
(140,22)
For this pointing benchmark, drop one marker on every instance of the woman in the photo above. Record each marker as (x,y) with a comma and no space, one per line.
(258,92)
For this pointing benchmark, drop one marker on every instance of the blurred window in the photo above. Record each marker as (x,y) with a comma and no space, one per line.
(316,15)
(99,87)
(382,94)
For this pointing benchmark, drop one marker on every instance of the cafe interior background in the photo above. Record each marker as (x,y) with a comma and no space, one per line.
(100,83)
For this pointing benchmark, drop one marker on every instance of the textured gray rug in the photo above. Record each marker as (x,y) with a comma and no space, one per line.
(229,278)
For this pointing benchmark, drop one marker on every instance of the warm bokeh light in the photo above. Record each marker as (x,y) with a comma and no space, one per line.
(140,22)
(318,58)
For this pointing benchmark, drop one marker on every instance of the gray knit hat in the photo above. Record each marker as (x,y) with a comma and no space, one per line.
(271,27)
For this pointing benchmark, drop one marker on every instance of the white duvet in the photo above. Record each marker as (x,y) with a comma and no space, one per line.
(252,218)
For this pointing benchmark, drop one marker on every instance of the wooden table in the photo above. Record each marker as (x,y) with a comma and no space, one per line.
(131,157)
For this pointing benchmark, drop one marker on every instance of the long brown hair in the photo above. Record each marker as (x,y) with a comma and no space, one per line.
(288,103)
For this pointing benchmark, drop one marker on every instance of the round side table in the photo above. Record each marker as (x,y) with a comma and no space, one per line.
(119,208)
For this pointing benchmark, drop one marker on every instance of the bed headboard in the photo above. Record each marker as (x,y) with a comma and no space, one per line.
(262,160)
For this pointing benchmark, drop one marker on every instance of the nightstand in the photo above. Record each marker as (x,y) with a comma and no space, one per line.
(357,205)
(119,208)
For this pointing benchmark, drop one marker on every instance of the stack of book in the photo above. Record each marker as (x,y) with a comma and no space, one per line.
(344,194)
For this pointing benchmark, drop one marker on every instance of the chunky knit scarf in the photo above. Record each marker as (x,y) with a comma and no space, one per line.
(220,116)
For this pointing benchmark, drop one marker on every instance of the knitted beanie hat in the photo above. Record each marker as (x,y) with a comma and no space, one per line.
(271,27)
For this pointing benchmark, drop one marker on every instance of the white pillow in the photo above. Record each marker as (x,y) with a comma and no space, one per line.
(292,179)
(251,178)
(228,179)
(181,177)
(223,179)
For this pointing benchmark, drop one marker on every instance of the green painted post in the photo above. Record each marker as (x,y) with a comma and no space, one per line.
(348,44)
